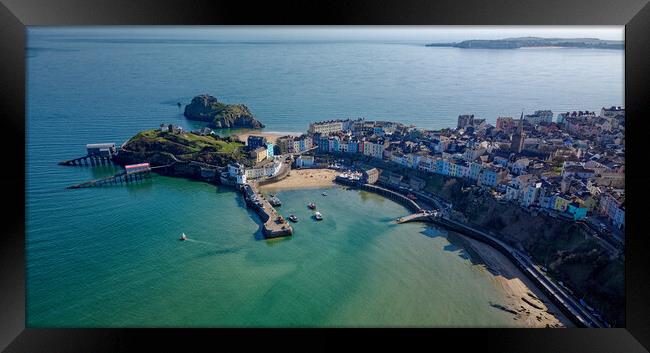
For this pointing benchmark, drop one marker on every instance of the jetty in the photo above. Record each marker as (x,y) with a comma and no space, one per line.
(119,178)
(274,225)
(132,173)
(423,216)
(96,154)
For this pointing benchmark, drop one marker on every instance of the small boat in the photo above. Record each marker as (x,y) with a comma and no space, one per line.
(311,205)
(274,201)
(318,216)
(324,194)
(293,218)
(183,237)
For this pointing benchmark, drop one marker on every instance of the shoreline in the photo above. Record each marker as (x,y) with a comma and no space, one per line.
(304,179)
(527,304)
(522,298)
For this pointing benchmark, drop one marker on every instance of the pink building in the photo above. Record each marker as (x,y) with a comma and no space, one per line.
(136,168)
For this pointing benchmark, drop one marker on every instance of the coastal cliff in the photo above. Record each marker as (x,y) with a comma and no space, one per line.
(187,152)
(577,259)
(220,115)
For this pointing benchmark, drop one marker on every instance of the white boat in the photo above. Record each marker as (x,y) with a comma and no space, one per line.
(183,237)
(318,216)
(324,194)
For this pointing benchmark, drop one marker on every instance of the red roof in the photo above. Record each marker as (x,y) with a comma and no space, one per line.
(141,165)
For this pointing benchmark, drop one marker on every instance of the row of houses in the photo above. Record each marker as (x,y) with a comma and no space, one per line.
(347,144)
(518,159)
(444,163)
(294,144)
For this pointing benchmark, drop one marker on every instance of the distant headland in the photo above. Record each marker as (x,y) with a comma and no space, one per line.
(531,42)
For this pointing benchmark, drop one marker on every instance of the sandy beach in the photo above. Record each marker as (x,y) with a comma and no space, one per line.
(304,179)
(526,303)
(270,136)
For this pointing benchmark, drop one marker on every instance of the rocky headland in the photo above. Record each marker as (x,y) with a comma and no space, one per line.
(219,115)
(186,153)
(531,42)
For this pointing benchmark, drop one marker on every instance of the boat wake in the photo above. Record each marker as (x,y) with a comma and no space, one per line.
(201,242)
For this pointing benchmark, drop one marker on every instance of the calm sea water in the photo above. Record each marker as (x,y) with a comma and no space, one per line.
(110,256)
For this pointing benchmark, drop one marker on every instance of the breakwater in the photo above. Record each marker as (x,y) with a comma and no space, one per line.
(273,224)
(392,195)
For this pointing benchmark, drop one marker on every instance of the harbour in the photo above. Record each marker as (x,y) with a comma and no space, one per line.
(356,267)
(436,210)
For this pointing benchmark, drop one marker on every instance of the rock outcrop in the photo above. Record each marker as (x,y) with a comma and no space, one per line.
(220,115)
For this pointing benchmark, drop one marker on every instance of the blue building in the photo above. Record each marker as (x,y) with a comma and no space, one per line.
(474,171)
(324,144)
(256,141)
(270,150)
(576,211)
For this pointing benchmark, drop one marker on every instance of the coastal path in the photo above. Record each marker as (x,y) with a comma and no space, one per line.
(569,305)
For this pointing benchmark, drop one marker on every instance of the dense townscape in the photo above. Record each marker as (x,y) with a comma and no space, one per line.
(572,167)
(569,167)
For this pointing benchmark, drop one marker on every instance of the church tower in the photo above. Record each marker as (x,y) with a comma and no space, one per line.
(517,140)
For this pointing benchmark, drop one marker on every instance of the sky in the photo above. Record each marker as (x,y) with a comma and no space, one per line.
(379,33)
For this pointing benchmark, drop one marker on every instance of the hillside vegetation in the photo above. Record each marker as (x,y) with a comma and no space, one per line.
(158,147)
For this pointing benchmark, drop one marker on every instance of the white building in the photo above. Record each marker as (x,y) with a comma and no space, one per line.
(326,127)
(530,194)
(267,170)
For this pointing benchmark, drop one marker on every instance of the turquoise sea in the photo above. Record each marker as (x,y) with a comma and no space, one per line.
(109,257)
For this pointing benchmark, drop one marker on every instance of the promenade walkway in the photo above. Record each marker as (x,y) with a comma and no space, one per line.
(569,305)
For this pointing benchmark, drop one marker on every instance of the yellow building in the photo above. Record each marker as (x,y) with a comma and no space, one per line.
(561,203)
(259,154)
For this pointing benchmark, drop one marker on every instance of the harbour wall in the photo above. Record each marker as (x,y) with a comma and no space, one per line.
(392,195)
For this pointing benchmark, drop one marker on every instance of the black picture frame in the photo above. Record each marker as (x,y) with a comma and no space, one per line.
(16,14)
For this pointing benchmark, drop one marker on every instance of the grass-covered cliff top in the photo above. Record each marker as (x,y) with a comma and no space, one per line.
(151,144)
(220,115)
